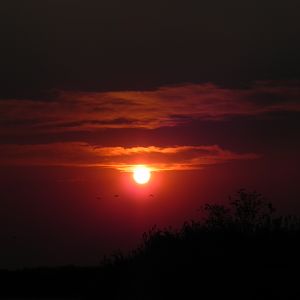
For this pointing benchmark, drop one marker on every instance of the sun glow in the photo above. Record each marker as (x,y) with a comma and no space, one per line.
(141,174)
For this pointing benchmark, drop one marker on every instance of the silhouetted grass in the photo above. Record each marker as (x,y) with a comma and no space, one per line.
(239,251)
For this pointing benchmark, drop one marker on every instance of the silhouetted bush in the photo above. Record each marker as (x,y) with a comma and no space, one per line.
(247,211)
(241,250)
(231,247)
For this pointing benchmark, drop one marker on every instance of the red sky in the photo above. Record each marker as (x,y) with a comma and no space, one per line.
(206,94)
(63,161)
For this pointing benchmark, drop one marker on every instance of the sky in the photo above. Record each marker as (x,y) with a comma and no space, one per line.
(206,94)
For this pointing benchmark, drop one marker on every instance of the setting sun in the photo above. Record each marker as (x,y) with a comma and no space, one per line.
(141,174)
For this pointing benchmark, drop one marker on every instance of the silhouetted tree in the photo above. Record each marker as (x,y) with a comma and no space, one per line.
(247,211)
(250,209)
(237,251)
(218,216)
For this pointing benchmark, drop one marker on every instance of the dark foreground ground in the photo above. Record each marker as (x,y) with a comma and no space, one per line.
(242,253)
(206,278)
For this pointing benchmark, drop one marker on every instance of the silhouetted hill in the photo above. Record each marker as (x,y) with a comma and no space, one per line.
(241,251)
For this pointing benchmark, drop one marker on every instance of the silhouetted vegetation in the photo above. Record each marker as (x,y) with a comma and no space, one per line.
(243,250)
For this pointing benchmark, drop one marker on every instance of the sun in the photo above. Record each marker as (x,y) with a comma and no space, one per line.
(141,174)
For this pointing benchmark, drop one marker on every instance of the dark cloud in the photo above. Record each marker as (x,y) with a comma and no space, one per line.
(167,106)
(116,45)
(114,122)
(270,92)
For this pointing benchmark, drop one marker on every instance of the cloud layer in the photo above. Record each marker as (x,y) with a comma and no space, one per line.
(120,158)
(165,106)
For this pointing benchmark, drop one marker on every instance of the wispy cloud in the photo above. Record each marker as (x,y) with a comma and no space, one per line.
(165,106)
(120,158)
